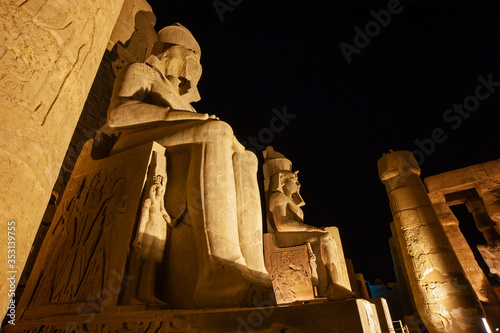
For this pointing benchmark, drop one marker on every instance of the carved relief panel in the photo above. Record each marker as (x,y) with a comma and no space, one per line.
(84,254)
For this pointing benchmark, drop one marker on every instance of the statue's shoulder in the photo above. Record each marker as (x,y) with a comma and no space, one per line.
(277,198)
(141,69)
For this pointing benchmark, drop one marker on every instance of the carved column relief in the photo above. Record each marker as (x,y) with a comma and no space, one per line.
(444,297)
(474,273)
(487,218)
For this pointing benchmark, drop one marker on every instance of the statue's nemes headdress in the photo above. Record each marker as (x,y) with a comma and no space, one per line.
(176,34)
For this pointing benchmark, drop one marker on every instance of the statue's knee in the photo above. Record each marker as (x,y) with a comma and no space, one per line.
(328,239)
(217,130)
(247,159)
(251,158)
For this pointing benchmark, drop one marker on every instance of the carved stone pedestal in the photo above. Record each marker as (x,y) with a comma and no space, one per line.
(292,271)
(81,267)
(356,316)
(93,260)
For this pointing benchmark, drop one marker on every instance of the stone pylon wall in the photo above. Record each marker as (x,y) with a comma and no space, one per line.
(49,54)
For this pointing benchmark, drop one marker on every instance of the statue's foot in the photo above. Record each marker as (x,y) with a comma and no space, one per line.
(338,292)
(157,301)
(133,301)
(147,300)
(258,277)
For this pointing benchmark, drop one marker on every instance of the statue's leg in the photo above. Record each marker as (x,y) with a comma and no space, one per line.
(213,214)
(218,189)
(146,288)
(211,191)
(249,212)
(222,276)
(330,258)
(320,269)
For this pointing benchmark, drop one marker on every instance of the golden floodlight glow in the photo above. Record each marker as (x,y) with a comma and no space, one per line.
(487,326)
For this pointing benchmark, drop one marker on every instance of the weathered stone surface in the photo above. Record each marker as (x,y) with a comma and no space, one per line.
(384,316)
(49,54)
(489,191)
(132,36)
(443,296)
(352,278)
(360,280)
(462,179)
(474,273)
(83,257)
(401,272)
(291,270)
(349,316)
(342,270)
(131,40)
(484,223)
(491,255)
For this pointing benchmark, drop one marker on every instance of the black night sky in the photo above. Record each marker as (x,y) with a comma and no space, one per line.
(395,92)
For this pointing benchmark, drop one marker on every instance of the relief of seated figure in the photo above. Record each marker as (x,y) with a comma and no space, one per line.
(215,255)
(286,223)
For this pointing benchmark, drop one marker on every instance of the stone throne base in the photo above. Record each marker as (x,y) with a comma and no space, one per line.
(84,265)
(350,316)
(82,274)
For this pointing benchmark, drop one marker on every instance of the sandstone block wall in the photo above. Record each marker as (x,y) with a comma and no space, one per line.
(49,54)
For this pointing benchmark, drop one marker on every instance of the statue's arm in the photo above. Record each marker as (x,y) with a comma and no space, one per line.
(284,222)
(128,106)
(163,211)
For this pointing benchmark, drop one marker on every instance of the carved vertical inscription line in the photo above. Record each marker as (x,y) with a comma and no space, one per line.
(62,85)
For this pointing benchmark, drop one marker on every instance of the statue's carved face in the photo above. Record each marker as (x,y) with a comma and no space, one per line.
(160,190)
(291,187)
(184,66)
(291,184)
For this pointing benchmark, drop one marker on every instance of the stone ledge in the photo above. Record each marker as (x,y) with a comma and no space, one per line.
(354,315)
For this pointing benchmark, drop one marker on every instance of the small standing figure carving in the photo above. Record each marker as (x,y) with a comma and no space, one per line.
(150,241)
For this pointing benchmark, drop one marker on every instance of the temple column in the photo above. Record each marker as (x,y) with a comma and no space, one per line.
(465,256)
(443,296)
(487,215)
(486,211)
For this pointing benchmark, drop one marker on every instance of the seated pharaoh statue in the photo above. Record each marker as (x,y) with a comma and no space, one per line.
(287,227)
(214,252)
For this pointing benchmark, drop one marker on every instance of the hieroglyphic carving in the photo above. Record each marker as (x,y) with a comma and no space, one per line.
(84,254)
(86,216)
(49,54)
(108,327)
(444,297)
(65,37)
(291,274)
